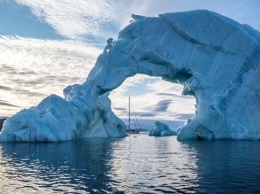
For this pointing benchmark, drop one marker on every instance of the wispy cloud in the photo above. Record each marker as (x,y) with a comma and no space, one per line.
(162,105)
(5,103)
(77,19)
(92,21)
(163,102)
(32,69)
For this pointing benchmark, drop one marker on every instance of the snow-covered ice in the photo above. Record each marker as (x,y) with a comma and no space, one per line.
(215,58)
(161,129)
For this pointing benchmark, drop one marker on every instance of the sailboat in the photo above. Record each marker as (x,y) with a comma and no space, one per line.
(129,128)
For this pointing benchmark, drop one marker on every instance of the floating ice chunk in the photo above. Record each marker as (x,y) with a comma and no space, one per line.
(161,129)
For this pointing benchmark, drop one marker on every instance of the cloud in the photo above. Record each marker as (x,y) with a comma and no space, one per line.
(92,21)
(173,95)
(146,114)
(32,69)
(162,105)
(184,116)
(5,88)
(163,101)
(4,103)
(77,19)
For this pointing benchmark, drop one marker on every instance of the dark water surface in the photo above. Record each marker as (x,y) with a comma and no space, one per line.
(136,164)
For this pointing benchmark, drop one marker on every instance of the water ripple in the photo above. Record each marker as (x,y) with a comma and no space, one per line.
(132,165)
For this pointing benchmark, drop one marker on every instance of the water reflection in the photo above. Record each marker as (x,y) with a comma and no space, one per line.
(153,165)
(227,166)
(136,164)
(60,167)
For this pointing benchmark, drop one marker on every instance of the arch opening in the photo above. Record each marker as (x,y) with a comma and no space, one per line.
(155,99)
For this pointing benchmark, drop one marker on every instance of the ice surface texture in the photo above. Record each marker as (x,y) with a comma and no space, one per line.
(215,58)
(161,129)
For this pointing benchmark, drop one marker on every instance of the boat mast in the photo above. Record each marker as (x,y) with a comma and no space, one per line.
(129,113)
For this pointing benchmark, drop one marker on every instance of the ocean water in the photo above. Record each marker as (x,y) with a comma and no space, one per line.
(135,164)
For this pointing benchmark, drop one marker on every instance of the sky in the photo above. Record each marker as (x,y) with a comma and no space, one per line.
(48,45)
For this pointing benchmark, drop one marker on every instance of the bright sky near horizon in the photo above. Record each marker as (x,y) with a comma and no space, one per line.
(48,45)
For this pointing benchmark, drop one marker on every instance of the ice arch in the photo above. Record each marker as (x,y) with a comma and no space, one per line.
(215,58)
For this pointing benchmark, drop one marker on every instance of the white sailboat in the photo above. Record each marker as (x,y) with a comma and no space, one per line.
(130,129)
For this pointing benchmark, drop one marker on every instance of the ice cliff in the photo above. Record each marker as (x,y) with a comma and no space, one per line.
(215,59)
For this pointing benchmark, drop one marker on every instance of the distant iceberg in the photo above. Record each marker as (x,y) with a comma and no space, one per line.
(215,59)
(161,129)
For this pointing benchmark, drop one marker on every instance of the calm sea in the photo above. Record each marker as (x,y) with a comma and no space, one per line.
(135,164)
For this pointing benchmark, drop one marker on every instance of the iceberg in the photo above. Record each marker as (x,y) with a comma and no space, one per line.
(216,59)
(161,129)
